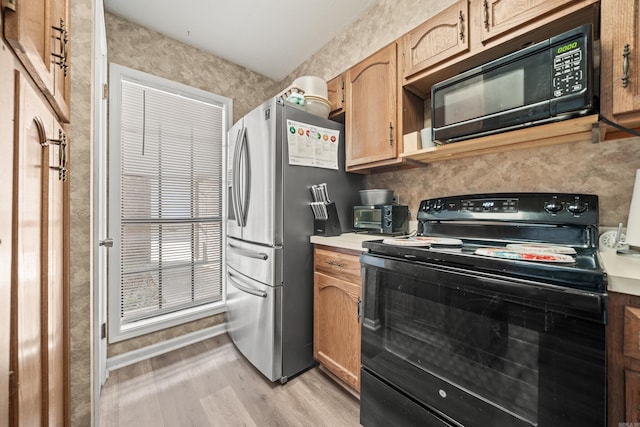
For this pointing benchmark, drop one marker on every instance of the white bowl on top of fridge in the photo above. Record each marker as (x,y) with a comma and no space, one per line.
(312,85)
(317,105)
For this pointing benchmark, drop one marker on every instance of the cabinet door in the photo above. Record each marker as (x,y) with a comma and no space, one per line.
(440,38)
(38,302)
(38,32)
(500,16)
(29,261)
(56,291)
(620,62)
(335,94)
(6,215)
(336,335)
(632,396)
(371,125)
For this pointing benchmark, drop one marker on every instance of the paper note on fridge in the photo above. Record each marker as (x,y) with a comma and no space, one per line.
(312,145)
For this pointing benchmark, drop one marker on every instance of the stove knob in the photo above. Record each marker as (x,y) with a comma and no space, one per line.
(577,207)
(554,206)
(438,206)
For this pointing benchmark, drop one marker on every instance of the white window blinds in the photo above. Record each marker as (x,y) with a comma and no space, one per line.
(170,202)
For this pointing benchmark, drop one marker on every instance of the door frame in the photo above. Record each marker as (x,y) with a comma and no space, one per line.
(99,232)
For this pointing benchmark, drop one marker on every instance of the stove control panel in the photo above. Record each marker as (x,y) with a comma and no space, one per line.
(490,205)
(549,208)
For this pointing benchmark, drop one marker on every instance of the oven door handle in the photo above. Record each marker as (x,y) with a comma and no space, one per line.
(583,303)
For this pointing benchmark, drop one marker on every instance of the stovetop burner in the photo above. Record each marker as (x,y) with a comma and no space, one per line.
(501,219)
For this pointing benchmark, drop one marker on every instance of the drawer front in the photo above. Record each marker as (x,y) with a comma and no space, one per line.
(631,344)
(344,265)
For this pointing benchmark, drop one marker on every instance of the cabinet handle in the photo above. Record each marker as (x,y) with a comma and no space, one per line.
(625,66)
(336,264)
(61,142)
(485,5)
(359,309)
(461,24)
(63,38)
(390,133)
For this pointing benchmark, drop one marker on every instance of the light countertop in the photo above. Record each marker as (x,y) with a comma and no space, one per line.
(623,272)
(351,241)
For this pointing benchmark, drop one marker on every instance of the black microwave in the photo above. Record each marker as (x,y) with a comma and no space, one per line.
(381,219)
(549,81)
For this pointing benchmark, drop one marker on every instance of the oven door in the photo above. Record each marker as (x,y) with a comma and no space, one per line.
(449,346)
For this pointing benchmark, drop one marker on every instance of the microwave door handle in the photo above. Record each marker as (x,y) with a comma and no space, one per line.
(236,284)
(244,202)
(234,178)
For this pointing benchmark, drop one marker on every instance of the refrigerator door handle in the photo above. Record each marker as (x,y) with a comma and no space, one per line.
(235,183)
(248,253)
(243,204)
(243,288)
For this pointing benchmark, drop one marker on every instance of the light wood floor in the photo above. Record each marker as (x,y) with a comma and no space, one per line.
(211,384)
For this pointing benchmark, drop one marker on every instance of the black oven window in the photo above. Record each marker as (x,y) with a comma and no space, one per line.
(479,343)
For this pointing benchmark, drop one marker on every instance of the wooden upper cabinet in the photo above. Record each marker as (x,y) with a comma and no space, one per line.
(440,38)
(620,64)
(38,31)
(371,119)
(501,16)
(336,95)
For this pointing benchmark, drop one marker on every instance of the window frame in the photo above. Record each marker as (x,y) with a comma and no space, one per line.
(118,331)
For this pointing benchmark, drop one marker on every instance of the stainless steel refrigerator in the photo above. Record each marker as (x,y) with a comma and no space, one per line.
(269,259)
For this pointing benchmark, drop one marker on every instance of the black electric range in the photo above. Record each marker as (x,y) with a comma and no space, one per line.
(500,219)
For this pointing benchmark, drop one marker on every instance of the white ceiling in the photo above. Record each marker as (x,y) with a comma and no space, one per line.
(271,37)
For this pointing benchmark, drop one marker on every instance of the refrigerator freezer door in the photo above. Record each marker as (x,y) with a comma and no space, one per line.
(234,136)
(259,165)
(254,323)
(261,263)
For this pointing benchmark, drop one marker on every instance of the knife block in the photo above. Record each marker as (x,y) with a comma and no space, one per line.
(330,226)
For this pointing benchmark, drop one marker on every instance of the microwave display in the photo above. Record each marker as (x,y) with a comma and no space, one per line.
(549,81)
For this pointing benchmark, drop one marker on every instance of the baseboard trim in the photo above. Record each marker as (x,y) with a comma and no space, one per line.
(122,360)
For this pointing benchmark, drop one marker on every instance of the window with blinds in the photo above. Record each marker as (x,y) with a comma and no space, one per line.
(168,196)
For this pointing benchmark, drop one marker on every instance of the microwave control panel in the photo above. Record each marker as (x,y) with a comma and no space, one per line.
(569,68)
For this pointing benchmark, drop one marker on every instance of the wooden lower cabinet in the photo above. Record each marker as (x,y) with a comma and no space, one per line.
(623,352)
(336,327)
